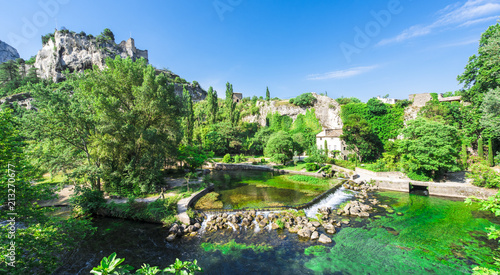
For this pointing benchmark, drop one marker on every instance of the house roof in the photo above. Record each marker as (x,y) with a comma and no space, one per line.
(330,133)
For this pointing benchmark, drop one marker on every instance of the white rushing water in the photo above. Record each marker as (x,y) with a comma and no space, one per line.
(333,200)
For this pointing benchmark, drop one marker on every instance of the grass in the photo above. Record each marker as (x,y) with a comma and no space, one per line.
(302,179)
(50,180)
(299,167)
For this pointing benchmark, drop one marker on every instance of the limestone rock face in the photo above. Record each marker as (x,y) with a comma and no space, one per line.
(7,52)
(77,53)
(327,111)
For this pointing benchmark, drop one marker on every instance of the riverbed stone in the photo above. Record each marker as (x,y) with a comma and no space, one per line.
(324,239)
(315,235)
(275,226)
(316,224)
(304,233)
(245,222)
(171,238)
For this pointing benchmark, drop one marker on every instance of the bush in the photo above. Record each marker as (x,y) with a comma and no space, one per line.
(87,201)
(31,61)
(237,159)
(227,158)
(82,34)
(312,167)
(416,175)
(303,100)
(482,175)
(45,38)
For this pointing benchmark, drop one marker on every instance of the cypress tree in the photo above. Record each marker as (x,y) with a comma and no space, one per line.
(480,146)
(491,161)
(326,148)
(268,94)
(189,125)
(464,155)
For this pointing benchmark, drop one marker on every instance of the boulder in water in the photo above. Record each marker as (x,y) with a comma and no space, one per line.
(324,239)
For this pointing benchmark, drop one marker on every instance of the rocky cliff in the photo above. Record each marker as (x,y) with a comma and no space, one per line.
(7,52)
(78,52)
(327,111)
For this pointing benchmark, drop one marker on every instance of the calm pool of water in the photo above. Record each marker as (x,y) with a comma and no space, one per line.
(256,189)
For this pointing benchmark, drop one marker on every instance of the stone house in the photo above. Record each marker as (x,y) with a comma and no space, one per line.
(333,142)
(237,97)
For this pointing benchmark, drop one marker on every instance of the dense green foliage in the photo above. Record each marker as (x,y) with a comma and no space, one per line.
(39,241)
(303,100)
(429,148)
(359,138)
(279,147)
(112,265)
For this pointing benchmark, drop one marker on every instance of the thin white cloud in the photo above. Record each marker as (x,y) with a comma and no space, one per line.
(341,73)
(460,43)
(471,12)
(480,20)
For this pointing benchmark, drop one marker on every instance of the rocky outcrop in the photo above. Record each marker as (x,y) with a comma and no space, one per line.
(77,52)
(327,111)
(7,52)
(197,93)
(21,99)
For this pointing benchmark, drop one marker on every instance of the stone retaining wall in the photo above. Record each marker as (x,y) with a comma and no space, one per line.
(234,166)
(394,175)
(197,196)
(445,189)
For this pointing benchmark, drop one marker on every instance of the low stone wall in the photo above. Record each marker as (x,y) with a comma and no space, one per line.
(445,189)
(234,166)
(393,175)
(197,196)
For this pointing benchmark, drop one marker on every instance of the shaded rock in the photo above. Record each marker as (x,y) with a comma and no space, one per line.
(171,238)
(315,235)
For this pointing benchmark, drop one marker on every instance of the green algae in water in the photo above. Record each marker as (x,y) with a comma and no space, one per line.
(361,251)
(256,189)
(234,249)
(434,235)
(315,250)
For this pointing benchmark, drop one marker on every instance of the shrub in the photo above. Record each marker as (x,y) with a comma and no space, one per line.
(237,159)
(45,38)
(31,61)
(312,167)
(87,201)
(82,34)
(482,175)
(303,100)
(227,158)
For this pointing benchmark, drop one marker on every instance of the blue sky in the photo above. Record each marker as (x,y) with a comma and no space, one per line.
(346,48)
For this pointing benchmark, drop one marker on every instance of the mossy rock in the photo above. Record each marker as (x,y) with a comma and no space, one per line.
(399,214)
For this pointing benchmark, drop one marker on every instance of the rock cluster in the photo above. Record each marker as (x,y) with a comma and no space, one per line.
(327,111)
(293,222)
(22,99)
(179,230)
(78,52)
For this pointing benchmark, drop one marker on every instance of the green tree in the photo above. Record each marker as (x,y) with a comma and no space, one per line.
(189,116)
(359,138)
(480,148)
(376,107)
(491,112)
(213,104)
(429,148)
(231,110)
(63,131)
(268,94)
(491,160)
(483,70)
(279,147)
(138,122)
(193,156)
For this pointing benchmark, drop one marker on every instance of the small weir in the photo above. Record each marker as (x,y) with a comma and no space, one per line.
(332,200)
